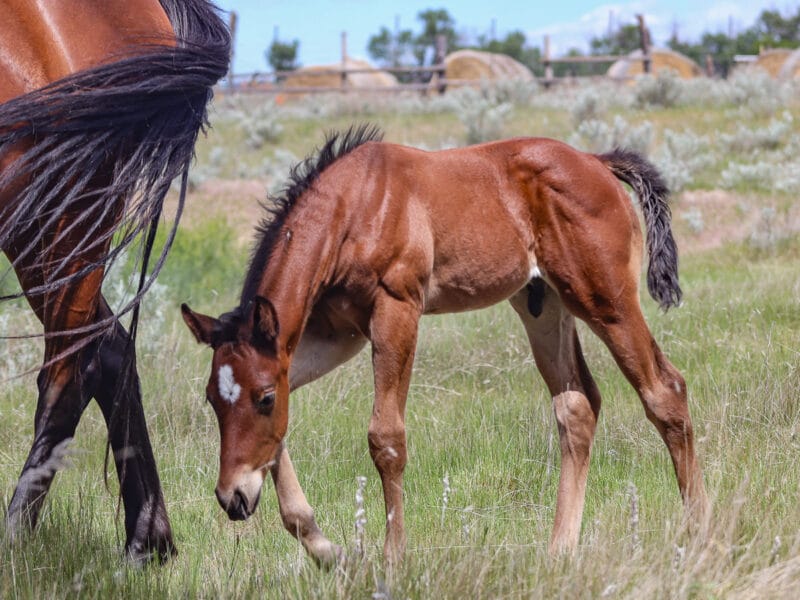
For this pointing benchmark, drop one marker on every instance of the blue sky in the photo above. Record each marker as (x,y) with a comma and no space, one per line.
(318,24)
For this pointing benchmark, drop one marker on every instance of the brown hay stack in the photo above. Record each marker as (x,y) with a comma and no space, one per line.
(321,76)
(476,65)
(771,61)
(790,69)
(660,59)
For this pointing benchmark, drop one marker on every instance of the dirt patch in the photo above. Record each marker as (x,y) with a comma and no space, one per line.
(237,202)
(707,219)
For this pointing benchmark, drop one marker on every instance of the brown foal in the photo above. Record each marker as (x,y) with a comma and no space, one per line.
(370,236)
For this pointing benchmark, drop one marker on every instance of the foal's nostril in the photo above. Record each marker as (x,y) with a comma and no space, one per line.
(235,506)
(241,501)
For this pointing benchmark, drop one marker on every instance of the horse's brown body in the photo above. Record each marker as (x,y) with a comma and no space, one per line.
(41,44)
(386,234)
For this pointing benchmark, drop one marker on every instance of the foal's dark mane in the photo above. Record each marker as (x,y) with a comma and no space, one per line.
(301,177)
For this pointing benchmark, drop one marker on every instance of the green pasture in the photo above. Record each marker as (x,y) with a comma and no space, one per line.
(483,448)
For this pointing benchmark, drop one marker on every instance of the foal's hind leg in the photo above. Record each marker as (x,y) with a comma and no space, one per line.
(576,401)
(607,299)
(662,391)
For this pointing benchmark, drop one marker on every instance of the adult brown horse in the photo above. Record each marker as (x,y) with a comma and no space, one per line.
(370,236)
(102,104)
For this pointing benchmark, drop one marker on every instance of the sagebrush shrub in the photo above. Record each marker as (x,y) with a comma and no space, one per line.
(681,156)
(770,137)
(482,113)
(261,125)
(664,89)
(599,136)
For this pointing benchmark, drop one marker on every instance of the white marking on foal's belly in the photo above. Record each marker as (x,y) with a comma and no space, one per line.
(228,388)
(535,273)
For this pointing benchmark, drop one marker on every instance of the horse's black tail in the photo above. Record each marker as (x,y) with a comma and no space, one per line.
(131,125)
(652,191)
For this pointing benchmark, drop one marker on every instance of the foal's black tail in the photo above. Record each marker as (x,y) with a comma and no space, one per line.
(103,146)
(646,181)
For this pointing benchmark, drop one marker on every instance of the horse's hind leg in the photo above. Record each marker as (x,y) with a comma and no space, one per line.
(64,391)
(118,394)
(66,385)
(576,400)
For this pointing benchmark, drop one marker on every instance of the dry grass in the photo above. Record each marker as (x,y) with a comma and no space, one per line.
(478,417)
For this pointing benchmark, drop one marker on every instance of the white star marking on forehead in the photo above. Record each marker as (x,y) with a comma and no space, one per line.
(228,388)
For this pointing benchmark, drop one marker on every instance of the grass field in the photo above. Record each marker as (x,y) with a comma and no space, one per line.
(483,448)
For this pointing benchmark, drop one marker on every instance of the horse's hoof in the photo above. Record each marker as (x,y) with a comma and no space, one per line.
(141,553)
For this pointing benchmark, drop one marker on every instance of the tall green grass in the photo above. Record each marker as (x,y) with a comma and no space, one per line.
(478,416)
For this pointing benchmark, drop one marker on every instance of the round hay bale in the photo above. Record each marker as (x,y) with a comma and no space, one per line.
(477,65)
(771,61)
(790,69)
(660,59)
(322,76)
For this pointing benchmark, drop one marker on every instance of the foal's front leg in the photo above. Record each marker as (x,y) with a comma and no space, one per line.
(297,515)
(393,331)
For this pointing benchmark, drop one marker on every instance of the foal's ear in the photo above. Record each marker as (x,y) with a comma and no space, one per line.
(202,326)
(265,321)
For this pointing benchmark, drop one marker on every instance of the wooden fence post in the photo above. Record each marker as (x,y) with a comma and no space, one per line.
(709,66)
(232,18)
(548,66)
(644,41)
(344,60)
(438,60)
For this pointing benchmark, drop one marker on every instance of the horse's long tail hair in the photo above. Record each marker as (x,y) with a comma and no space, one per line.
(653,193)
(129,124)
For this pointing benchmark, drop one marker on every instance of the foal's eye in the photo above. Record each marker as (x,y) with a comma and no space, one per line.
(266,402)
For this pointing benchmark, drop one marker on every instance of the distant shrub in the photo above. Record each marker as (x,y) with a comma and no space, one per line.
(482,112)
(754,176)
(599,136)
(663,89)
(261,125)
(588,106)
(766,176)
(516,92)
(770,137)
(607,94)
(277,168)
(18,355)
(769,230)
(201,171)
(751,92)
(205,260)
(120,286)
(755,90)
(681,157)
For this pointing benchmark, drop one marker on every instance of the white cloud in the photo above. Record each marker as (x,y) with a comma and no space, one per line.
(594,23)
(690,18)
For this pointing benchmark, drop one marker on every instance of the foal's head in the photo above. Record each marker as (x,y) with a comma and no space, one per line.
(249,391)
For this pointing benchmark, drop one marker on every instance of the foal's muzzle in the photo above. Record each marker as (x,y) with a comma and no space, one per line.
(236,505)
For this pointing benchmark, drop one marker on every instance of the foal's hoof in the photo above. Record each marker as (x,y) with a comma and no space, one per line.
(327,555)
